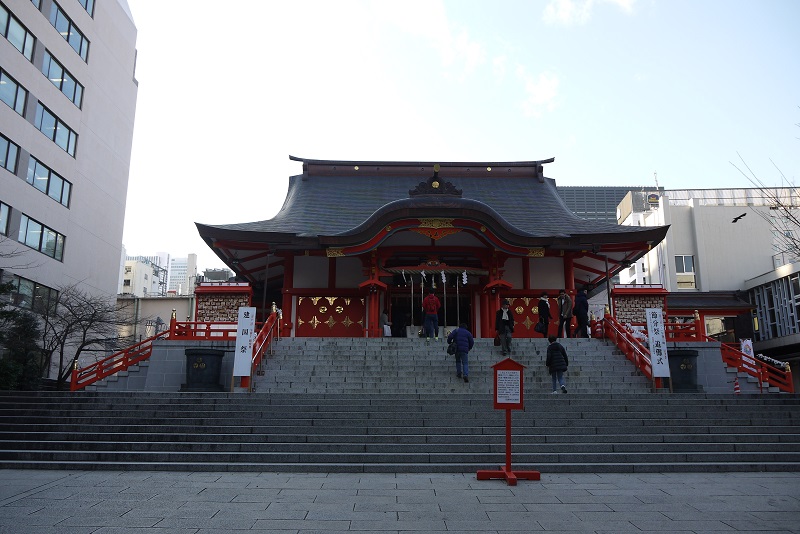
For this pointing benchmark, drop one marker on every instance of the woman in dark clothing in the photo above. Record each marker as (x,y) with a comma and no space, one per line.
(557,363)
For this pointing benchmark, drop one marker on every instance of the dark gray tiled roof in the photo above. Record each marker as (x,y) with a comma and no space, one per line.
(327,205)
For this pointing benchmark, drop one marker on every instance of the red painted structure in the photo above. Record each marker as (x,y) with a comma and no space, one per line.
(354,238)
(501,403)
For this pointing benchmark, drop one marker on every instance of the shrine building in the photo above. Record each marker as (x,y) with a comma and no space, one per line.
(355,238)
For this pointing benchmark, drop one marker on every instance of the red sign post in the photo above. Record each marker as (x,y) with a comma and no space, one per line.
(508,395)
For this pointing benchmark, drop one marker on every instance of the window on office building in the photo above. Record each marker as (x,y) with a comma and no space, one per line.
(64,25)
(5,212)
(38,236)
(48,182)
(8,154)
(13,30)
(88,5)
(55,129)
(30,295)
(61,78)
(684,270)
(12,93)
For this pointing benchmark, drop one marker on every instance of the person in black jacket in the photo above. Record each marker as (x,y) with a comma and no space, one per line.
(582,313)
(504,326)
(557,363)
(464,343)
(544,313)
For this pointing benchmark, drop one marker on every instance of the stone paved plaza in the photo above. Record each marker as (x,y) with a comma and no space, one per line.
(132,502)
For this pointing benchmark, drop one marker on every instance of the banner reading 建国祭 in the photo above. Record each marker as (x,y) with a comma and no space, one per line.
(245,329)
(658,342)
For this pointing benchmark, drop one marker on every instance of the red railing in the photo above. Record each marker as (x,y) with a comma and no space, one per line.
(119,361)
(261,344)
(632,348)
(763,371)
(178,331)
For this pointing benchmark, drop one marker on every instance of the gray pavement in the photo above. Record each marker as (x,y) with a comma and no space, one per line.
(117,502)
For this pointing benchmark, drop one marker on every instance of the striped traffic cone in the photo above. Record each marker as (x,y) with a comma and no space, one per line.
(736,390)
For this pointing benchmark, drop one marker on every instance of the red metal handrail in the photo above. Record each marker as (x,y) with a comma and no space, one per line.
(203,330)
(119,361)
(761,370)
(178,331)
(731,356)
(632,348)
(262,343)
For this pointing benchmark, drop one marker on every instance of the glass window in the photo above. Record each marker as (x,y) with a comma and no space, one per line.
(49,242)
(16,33)
(61,78)
(684,264)
(30,232)
(31,295)
(12,93)
(69,31)
(59,252)
(88,5)
(8,154)
(56,185)
(45,180)
(4,213)
(40,237)
(57,131)
(37,3)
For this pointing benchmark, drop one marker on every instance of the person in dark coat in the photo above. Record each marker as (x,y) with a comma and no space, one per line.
(557,363)
(464,343)
(564,314)
(504,326)
(544,313)
(582,313)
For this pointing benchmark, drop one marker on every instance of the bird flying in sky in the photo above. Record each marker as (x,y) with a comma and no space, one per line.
(739,217)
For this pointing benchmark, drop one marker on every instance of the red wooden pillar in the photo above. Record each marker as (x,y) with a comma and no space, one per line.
(487,329)
(569,284)
(288,284)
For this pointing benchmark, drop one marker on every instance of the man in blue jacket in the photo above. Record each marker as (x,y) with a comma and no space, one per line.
(464,343)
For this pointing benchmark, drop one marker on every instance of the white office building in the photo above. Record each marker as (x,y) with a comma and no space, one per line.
(182,275)
(68,91)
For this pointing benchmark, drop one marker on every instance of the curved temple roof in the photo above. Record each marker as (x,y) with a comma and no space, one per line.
(335,198)
(338,203)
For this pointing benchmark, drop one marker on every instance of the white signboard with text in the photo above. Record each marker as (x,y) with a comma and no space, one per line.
(658,342)
(245,331)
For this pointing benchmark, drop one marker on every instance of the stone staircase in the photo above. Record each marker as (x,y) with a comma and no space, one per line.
(412,366)
(340,405)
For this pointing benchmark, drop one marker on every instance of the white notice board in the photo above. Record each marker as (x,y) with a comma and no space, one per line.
(508,386)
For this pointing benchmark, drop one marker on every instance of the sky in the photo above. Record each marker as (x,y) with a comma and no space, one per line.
(685,93)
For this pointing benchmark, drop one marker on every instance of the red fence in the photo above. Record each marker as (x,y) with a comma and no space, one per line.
(634,350)
(178,331)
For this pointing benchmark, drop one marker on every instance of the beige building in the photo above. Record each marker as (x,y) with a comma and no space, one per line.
(68,91)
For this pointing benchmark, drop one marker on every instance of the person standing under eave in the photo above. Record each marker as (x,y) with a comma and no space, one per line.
(504,326)
(564,313)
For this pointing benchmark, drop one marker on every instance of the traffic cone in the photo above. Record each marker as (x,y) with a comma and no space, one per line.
(736,389)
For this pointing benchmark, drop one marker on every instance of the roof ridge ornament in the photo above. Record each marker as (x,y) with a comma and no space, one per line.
(435,186)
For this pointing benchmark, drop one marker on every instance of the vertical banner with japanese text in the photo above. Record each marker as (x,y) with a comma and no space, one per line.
(245,331)
(658,342)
